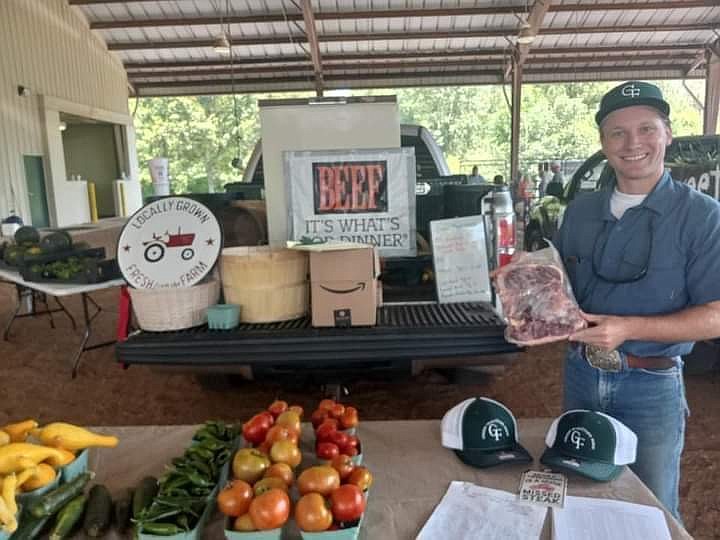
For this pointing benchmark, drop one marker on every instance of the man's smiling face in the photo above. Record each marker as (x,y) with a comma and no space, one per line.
(634,140)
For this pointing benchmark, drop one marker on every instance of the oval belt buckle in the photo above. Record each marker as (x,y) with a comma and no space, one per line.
(601,359)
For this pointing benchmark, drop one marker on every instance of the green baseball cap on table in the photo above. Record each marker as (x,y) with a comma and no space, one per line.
(483,432)
(629,94)
(589,443)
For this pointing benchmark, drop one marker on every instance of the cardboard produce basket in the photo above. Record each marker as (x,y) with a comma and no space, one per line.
(269,284)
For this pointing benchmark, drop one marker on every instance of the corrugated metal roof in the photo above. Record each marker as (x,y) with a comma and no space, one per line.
(166,45)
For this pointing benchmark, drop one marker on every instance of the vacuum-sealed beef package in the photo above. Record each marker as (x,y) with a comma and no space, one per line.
(537,298)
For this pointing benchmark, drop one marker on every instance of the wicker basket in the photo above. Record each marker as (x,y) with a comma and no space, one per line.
(162,310)
(270,284)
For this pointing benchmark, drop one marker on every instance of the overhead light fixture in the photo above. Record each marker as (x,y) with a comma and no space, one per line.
(62,126)
(221,45)
(525,37)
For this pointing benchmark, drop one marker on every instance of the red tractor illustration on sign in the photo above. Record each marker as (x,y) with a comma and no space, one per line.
(155,249)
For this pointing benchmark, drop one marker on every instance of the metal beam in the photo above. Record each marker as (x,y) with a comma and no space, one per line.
(495,73)
(535,19)
(517,71)
(311,34)
(332,66)
(671,50)
(385,36)
(379,13)
(712,92)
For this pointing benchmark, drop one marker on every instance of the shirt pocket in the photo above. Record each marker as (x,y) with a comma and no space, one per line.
(662,289)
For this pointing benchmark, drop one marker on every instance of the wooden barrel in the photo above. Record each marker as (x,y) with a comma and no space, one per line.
(244,223)
(269,284)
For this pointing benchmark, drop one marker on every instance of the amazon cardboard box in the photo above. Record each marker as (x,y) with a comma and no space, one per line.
(344,286)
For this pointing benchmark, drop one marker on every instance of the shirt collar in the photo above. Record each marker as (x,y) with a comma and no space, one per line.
(658,200)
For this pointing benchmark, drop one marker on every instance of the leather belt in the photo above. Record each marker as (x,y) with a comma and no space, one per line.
(649,362)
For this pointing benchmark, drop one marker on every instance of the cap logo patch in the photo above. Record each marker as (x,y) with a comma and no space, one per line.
(579,437)
(630,90)
(494,429)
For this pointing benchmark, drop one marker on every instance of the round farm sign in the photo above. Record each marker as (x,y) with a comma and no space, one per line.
(169,243)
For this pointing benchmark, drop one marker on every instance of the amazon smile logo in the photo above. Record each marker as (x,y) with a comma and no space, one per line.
(359,287)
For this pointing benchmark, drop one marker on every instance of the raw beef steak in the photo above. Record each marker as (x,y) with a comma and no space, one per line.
(536,304)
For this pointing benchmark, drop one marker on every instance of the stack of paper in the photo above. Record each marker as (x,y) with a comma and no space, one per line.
(600,519)
(470,512)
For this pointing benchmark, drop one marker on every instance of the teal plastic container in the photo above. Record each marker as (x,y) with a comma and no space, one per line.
(223,316)
(350,533)
(194,534)
(272,534)
(76,467)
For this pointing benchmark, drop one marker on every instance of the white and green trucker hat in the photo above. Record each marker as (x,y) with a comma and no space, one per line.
(483,433)
(589,443)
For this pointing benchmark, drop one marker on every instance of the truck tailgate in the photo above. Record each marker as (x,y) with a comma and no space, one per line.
(403,332)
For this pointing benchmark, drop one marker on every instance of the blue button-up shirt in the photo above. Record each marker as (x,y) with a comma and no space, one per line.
(669,245)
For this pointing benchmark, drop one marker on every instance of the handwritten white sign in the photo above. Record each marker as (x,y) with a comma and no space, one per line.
(460,259)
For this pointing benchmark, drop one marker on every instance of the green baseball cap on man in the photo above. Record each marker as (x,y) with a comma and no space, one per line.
(629,94)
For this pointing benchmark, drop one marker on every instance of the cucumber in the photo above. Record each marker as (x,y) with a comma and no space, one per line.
(53,501)
(99,511)
(68,517)
(144,494)
(123,511)
(30,527)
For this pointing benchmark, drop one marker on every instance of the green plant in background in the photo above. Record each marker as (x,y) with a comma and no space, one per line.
(201,137)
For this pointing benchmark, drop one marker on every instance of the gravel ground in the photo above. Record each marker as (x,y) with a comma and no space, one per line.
(35,381)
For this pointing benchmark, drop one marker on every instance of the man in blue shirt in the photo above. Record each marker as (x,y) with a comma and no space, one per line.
(643,258)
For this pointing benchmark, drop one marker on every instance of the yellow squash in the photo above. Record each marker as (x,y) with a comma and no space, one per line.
(15,457)
(19,430)
(7,518)
(8,492)
(44,474)
(25,476)
(73,438)
(67,457)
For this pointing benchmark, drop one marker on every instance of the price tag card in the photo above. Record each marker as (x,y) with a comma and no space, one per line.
(544,488)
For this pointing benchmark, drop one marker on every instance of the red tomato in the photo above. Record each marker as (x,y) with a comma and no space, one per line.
(339,438)
(352,441)
(234,499)
(326,450)
(321,479)
(350,451)
(281,433)
(343,465)
(349,418)
(361,477)
(278,407)
(270,510)
(312,513)
(325,432)
(255,429)
(337,410)
(347,502)
(326,404)
(318,417)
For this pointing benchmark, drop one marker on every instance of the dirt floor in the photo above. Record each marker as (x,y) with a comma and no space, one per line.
(35,382)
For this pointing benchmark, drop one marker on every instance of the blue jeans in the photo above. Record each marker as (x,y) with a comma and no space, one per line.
(650,402)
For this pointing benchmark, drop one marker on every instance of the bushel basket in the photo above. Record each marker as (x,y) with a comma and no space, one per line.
(163,310)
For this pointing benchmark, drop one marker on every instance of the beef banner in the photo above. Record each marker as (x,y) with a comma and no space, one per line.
(363,196)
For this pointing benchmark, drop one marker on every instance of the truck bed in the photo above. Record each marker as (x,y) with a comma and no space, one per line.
(404,333)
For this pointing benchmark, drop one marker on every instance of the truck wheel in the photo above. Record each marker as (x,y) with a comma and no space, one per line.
(534,240)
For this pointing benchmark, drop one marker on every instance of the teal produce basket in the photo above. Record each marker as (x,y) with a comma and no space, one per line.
(76,467)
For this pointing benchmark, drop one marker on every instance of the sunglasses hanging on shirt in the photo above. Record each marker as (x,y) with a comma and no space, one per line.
(624,272)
